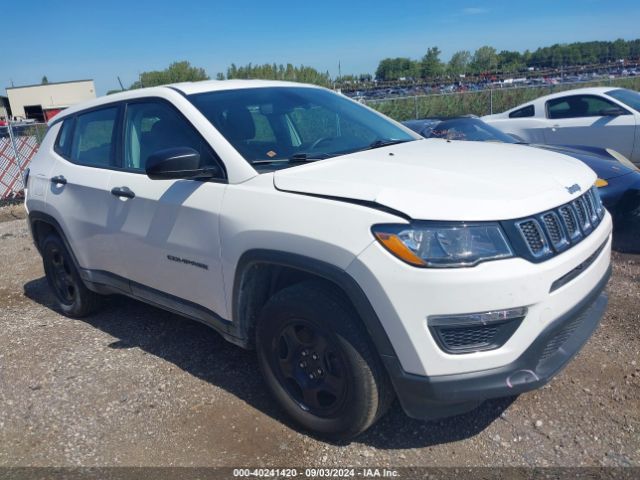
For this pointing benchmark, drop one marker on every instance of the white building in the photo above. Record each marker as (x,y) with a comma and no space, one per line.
(41,102)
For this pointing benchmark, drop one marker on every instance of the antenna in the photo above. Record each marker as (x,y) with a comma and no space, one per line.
(120,82)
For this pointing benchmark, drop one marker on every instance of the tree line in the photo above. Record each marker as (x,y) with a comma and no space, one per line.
(485,59)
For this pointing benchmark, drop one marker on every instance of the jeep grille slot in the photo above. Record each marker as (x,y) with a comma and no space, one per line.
(581,210)
(533,236)
(570,222)
(554,229)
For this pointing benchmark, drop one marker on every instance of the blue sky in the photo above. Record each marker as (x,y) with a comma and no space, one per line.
(77,39)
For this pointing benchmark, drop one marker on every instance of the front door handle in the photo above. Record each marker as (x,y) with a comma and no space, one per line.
(122,192)
(59,180)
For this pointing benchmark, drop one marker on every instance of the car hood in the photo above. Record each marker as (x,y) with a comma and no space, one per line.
(606,167)
(437,179)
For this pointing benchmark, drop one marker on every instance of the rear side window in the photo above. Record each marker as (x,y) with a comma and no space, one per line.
(93,138)
(63,142)
(528,111)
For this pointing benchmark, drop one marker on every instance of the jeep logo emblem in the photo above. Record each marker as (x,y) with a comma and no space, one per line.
(573,188)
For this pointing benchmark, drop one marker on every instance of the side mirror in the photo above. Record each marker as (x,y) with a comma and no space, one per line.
(613,112)
(174,163)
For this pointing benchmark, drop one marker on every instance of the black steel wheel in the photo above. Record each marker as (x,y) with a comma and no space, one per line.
(312,369)
(73,297)
(318,361)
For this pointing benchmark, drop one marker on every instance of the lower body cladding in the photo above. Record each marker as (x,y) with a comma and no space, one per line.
(560,302)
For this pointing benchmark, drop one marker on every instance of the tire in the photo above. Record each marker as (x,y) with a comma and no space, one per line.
(319,363)
(73,298)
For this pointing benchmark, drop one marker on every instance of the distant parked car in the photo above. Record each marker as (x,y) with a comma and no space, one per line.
(618,179)
(601,117)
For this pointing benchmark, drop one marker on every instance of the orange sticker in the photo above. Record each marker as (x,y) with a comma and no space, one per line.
(271,154)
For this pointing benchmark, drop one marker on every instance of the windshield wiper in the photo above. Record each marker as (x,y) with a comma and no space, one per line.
(307,157)
(385,143)
(295,158)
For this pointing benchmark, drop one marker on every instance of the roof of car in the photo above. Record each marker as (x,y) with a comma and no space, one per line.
(185,88)
(189,88)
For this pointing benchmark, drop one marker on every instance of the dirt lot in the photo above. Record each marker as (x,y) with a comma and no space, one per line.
(134,385)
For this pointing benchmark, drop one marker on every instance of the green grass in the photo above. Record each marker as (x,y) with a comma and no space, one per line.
(479,103)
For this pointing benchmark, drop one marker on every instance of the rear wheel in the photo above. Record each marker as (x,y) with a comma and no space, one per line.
(319,363)
(73,297)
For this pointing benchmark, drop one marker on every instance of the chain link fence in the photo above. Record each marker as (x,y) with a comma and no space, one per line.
(480,102)
(18,144)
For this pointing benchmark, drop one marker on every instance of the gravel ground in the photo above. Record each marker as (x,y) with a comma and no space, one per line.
(134,385)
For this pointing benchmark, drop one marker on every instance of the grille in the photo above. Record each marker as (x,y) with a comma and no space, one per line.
(561,227)
(456,338)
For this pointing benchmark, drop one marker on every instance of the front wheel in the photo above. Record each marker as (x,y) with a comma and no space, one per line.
(318,362)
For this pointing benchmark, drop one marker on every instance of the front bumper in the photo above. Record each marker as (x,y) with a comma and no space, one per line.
(404,297)
(445,395)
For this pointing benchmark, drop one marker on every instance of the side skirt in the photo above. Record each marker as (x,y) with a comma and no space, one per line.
(108,283)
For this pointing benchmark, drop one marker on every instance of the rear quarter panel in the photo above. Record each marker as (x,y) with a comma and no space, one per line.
(39,173)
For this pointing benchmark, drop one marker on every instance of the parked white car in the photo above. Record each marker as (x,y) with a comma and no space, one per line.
(606,117)
(360,260)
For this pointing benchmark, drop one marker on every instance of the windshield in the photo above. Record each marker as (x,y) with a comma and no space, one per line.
(628,97)
(469,129)
(275,127)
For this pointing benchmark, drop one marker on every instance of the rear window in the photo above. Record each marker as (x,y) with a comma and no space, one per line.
(93,138)
(528,111)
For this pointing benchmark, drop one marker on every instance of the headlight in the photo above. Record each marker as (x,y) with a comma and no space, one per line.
(444,245)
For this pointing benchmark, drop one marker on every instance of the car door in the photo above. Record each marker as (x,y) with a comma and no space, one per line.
(168,229)
(590,120)
(78,197)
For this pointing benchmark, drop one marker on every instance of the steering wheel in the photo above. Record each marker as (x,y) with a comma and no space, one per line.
(318,142)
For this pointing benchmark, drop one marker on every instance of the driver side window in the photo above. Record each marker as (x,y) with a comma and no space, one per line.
(154,126)
(577,106)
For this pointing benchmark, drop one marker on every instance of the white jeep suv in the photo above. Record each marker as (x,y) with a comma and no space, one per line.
(360,261)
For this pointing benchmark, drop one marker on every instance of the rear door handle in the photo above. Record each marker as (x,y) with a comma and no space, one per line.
(122,192)
(59,180)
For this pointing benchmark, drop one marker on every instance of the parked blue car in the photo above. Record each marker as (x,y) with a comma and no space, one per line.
(618,180)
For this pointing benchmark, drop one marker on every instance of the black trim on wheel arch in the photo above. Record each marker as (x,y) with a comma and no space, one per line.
(445,395)
(35,216)
(324,270)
